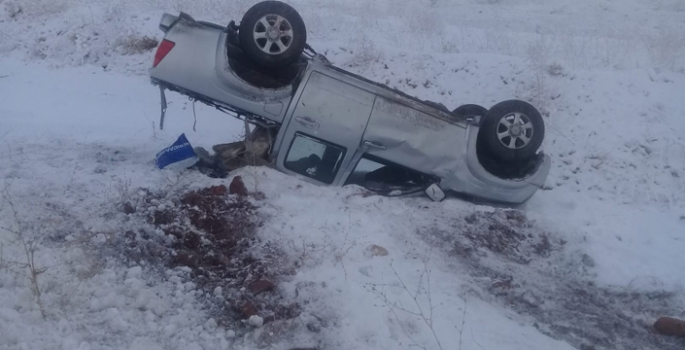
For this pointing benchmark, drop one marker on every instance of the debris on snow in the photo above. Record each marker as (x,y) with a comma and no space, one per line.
(376,250)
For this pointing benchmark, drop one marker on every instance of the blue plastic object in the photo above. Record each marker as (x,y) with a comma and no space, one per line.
(177,156)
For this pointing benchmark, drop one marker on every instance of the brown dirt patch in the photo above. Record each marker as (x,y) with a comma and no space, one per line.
(213,233)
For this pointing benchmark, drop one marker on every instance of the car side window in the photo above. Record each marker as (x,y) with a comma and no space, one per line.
(314,158)
(382,176)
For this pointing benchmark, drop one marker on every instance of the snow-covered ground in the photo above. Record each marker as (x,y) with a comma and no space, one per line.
(79,130)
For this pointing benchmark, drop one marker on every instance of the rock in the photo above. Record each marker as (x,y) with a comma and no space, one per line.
(248,309)
(255,321)
(237,187)
(129,208)
(376,250)
(130,235)
(184,258)
(670,326)
(269,319)
(259,286)
(217,190)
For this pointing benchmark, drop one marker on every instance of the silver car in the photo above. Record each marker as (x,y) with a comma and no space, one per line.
(331,127)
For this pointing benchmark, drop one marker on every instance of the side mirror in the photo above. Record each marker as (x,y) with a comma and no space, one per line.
(435,193)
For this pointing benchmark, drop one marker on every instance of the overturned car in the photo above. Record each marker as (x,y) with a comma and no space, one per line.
(331,127)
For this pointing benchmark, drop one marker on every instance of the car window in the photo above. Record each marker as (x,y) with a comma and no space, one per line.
(365,166)
(378,174)
(314,158)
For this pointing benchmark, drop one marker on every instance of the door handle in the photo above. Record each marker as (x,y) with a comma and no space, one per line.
(374,144)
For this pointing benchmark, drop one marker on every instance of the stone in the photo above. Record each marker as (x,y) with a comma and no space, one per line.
(260,286)
(129,208)
(670,326)
(218,190)
(237,187)
(248,309)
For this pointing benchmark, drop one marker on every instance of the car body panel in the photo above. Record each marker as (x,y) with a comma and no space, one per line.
(200,67)
(330,110)
(414,139)
(336,106)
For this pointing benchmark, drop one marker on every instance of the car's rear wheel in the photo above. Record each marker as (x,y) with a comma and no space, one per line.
(512,131)
(273,34)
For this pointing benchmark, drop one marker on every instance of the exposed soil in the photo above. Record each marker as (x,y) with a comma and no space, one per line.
(211,232)
(519,266)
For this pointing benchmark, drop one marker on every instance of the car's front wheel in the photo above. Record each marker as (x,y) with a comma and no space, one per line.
(273,34)
(512,131)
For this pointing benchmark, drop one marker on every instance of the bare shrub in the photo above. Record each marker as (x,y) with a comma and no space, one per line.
(28,238)
(538,55)
(555,70)
(666,48)
(449,46)
(134,44)
(366,51)
(423,309)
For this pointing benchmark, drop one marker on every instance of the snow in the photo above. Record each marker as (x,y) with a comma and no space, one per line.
(79,127)
(255,321)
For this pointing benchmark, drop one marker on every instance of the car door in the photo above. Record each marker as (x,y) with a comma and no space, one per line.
(325,129)
(413,139)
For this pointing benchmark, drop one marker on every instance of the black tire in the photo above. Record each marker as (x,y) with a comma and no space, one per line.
(256,39)
(470,111)
(500,120)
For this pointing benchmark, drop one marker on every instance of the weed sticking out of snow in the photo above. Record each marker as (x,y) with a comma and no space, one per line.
(135,44)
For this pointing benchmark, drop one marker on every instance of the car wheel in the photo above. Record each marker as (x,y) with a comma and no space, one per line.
(512,131)
(470,110)
(273,34)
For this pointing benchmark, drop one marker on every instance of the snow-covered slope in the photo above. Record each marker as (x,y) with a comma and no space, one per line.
(79,129)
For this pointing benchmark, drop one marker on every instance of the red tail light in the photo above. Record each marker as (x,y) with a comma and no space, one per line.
(163,49)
